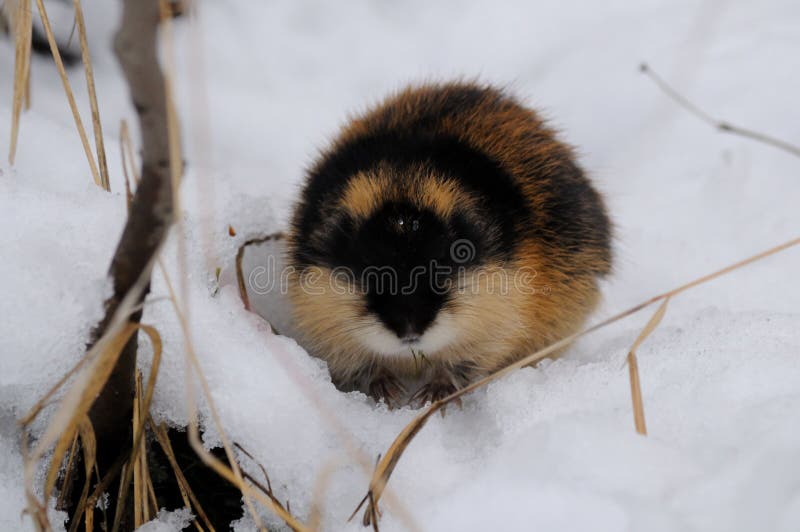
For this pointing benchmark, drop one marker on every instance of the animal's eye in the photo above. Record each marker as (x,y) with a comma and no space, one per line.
(401,221)
(415,225)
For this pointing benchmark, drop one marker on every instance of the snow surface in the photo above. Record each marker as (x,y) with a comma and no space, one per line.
(551,448)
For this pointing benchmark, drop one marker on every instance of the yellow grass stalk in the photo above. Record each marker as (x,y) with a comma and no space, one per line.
(73,409)
(87,67)
(144,505)
(67,472)
(126,151)
(633,368)
(21,26)
(89,446)
(385,467)
(138,510)
(232,474)
(173,139)
(68,90)
(138,428)
(64,423)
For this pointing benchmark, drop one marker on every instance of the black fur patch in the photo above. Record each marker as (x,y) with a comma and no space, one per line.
(501,199)
(574,218)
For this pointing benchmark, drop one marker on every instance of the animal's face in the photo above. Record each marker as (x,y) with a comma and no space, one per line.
(398,262)
(401,261)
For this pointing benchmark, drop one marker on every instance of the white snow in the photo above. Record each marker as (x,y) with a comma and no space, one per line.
(551,448)
(168,521)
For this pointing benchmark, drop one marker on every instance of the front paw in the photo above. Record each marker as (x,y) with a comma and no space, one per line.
(435,390)
(385,386)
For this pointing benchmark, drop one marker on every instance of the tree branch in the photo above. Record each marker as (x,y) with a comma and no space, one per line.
(725,127)
(149,219)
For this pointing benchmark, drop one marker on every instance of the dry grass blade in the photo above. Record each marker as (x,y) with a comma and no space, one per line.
(68,90)
(633,368)
(126,153)
(138,432)
(232,474)
(87,67)
(89,445)
(173,140)
(67,473)
(22,26)
(73,408)
(188,496)
(90,503)
(389,461)
(141,512)
(138,510)
(718,124)
(266,490)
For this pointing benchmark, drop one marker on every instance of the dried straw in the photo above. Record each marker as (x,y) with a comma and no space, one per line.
(87,67)
(68,90)
(22,27)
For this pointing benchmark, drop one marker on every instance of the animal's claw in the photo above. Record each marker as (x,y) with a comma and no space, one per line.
(385,386)
(435,390)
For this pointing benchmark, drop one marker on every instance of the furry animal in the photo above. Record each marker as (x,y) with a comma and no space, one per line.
(444,233)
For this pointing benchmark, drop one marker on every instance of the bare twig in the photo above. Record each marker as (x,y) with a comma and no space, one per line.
(149,219)
(725,127)
(240,255)
(267,490)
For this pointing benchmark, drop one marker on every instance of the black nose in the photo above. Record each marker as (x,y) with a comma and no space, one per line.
(409,323)
(406,315)
(407,327)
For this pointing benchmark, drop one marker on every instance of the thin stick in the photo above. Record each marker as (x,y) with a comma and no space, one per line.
(87,67)
(725,127)
(68,90)
(239,256)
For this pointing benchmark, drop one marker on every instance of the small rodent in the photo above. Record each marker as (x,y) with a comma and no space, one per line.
(445,233)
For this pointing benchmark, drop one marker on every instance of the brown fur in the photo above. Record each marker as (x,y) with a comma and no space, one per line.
(495,328)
